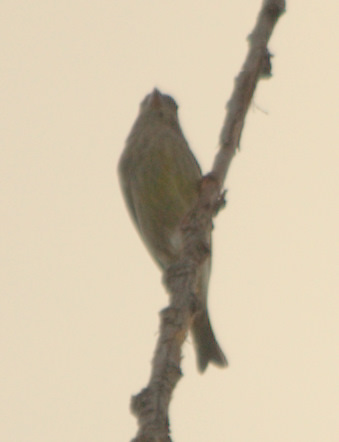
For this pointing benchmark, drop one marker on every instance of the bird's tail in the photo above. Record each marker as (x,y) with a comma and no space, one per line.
(206,345)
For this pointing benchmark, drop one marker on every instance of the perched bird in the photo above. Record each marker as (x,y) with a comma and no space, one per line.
(160,179)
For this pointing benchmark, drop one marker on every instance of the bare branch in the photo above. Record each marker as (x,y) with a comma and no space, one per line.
(257,65)
(152,403)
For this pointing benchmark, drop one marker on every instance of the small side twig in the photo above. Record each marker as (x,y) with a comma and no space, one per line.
(152,403)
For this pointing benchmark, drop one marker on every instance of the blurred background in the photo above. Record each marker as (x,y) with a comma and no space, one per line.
(80,295)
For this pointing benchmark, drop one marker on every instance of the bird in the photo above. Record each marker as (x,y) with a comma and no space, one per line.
(159,178)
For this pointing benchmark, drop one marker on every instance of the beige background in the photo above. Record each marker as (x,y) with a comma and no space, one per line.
(80,295)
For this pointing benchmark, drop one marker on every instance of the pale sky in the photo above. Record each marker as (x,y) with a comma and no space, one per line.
(80,295)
